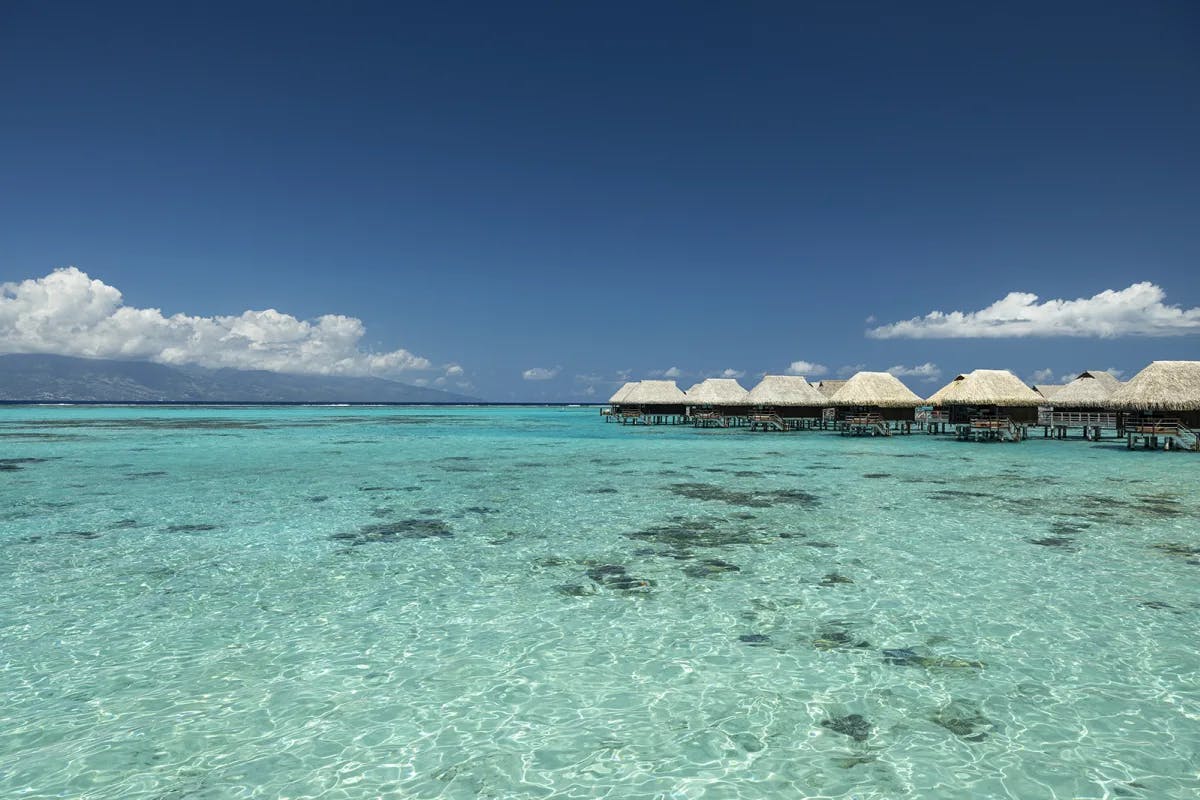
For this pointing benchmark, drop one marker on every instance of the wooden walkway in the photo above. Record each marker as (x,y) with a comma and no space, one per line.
(1170,434)
(991,429)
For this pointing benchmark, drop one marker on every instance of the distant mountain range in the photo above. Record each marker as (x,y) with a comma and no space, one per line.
(47,378)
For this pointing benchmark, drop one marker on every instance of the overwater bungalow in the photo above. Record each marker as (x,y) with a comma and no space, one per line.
(875,404)
(655,403)
(989,404)
(719,402)
(1083,403)
(785,402)
(1161,406)
(614,403)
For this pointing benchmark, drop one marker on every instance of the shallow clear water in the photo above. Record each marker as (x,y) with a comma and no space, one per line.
(461,603)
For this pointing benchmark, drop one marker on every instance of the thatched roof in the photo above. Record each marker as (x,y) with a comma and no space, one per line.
(1162,386)
(1104,376)
(786,390)
(1092,389)
(947,391)
(878,389)
(987,387)
(1048,390)
(648,393)
(718,392)
(619,397)
(829,388)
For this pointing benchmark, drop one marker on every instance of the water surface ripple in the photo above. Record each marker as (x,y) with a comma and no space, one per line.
(463,603)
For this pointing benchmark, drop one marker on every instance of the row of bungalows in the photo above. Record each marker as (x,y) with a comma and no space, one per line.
(781,402)
(1160,406)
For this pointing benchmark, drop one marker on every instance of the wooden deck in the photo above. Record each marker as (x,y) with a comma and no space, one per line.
(991,429)
(1170,434)
(865,425)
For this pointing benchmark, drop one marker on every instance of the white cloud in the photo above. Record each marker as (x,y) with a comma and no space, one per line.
(1134,311)
(540,373)
(69,313)
(453,370)
(1042,376)
(849,369)
(1119,374)
(733,373)
(589,391)
(806,368)
(672,372)
(927,371)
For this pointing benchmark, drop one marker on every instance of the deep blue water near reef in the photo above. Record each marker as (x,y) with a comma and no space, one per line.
(525,602)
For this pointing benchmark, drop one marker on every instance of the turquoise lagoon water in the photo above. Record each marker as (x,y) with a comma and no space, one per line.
(506,603)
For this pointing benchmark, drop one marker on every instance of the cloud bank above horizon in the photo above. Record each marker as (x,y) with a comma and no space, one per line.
(1138,310)
(70,313)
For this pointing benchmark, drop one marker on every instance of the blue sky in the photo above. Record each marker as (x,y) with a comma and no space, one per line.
(469,194)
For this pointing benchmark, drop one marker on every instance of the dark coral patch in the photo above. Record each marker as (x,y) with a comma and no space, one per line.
(605,571)
(1157,604)
(754,639)
(1053,541)
(836,637)
(747,499)
(1158,505)
(906,657)
(78,534)
(957,494)
(856,726)
(710,568)
(575,590)
(964,719)
(396,531)
(833,579)
(684,533)
(877,474)
(615,576)
(14,464)
(1176,549)
(197,528)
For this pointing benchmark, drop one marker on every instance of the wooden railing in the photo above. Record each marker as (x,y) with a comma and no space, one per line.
(1170,430)
(1001,428)
(866,425)
(1077,419)
(767,420)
